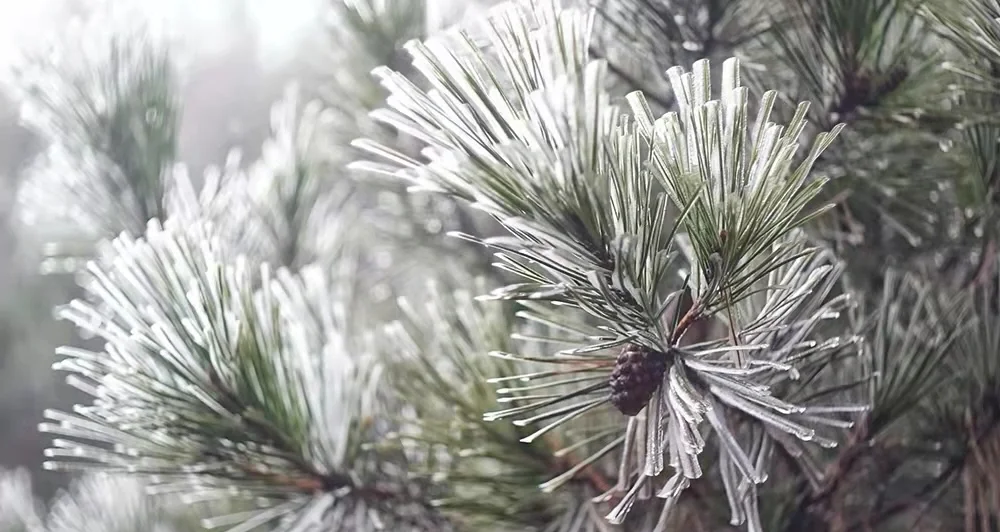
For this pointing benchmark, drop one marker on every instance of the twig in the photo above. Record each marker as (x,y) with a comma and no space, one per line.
(838,470)
(692,315)
(315,482)
(834,475)
(938,484)
(985,266)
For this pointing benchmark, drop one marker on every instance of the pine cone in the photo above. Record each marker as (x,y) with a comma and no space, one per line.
(638,373)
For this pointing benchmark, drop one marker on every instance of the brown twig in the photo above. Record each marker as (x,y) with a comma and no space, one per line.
(985,266)
(692,315)
(314,482)
(837,472)
(834,476)
(968,489)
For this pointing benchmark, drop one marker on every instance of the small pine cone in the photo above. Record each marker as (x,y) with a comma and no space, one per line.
(638,373)
(891,81)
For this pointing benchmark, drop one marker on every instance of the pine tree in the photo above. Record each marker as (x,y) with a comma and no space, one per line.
(646,265)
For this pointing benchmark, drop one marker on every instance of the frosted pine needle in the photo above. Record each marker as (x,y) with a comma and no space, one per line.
(213,386)
(532,139)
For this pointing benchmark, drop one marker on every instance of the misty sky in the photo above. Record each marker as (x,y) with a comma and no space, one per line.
(202,24)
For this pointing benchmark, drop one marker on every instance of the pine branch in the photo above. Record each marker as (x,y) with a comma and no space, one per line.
(208,383)
(965,413)
(95,502)
(848,55)
(623,230)
(936,485)
(19,511)
(973,30)
(440,370)
(364,34)
(872,65)
(112,504)
(535,143)
(408,230)
(297,207)
(909,337)
(108,110)
(970,25)
(912,335)
(671,32)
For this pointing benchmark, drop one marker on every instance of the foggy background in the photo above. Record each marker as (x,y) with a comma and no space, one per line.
(235,57)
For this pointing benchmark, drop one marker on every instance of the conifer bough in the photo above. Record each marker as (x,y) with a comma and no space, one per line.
(523,127)
(623,231)
(218,386)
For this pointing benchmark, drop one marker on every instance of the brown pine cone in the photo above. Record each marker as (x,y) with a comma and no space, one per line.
(637,375)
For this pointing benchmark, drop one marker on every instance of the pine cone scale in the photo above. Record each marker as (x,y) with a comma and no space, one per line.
(637,374)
